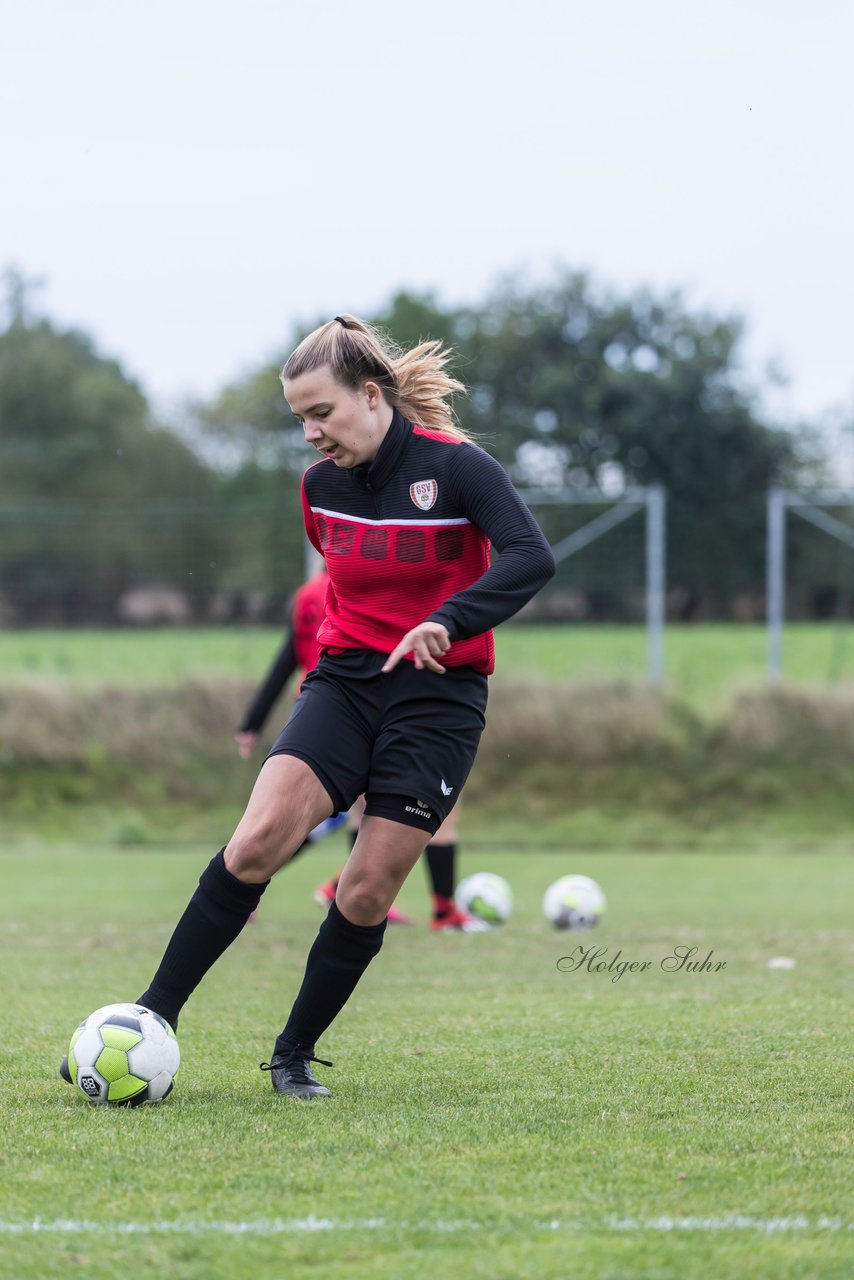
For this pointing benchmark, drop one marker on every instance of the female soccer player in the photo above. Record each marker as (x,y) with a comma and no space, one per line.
(404,516)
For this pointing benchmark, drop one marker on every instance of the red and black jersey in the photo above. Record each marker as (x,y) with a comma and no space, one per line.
(407,539)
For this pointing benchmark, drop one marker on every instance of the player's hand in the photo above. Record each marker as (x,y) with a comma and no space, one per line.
(429,641)
(245,744)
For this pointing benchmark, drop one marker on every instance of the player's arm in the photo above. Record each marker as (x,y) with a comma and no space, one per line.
(525,562)
(268,693)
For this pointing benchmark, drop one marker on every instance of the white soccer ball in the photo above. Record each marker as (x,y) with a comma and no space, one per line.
(124,1054)
(574,902)
(486,896)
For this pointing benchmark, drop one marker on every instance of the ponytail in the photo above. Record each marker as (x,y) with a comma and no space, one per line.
(416,382)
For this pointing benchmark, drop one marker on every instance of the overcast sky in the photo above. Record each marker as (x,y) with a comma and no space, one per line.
(192,178)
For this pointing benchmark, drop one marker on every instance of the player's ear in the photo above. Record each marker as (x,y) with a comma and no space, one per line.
(372,394)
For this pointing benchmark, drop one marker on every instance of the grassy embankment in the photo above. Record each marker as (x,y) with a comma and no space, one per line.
(126,736)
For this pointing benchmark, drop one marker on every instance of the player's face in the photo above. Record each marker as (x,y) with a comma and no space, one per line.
(344,425)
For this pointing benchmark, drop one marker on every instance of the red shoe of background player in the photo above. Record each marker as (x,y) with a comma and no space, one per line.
(397,917)
(325,893)
(448,917)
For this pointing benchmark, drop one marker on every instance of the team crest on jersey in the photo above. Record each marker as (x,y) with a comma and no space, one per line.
(424,493)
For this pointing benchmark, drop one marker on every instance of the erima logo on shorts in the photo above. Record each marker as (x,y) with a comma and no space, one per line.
(424,493)
(419,813)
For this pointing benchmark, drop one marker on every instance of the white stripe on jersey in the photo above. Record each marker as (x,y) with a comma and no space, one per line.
(408,524)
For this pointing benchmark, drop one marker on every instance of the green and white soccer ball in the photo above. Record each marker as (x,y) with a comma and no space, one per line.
(574,902)
(486,896)
(124,1054)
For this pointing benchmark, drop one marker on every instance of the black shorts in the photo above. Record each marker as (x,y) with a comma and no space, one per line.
(407,740)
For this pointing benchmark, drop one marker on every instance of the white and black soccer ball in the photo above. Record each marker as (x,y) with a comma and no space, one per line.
(486,896)
(124,1054)
(574,902)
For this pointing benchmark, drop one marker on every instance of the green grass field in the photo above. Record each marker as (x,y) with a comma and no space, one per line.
(704,663)
(492,1116)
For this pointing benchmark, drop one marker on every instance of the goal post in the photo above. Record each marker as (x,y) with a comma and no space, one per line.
(652,501)
(810,506)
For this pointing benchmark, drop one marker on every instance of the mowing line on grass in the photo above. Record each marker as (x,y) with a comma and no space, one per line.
(296,1226)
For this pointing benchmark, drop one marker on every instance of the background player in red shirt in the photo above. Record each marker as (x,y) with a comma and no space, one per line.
(301,651)
(403,510)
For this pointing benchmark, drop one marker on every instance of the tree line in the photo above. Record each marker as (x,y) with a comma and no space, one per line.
(107,514)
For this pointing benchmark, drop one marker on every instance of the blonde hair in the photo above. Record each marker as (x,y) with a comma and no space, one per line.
(416,382)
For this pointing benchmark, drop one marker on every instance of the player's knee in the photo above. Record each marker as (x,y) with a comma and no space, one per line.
(366,901)
(257,853)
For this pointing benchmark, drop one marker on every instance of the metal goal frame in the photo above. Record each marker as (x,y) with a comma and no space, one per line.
(809,505)
(650,499)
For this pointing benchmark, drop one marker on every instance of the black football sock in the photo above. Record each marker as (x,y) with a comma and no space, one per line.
(339,956)
(214,917)
(306,842)
(441,867)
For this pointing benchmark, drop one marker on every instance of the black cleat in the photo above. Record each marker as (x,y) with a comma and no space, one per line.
(64,1071)
(291,1074)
